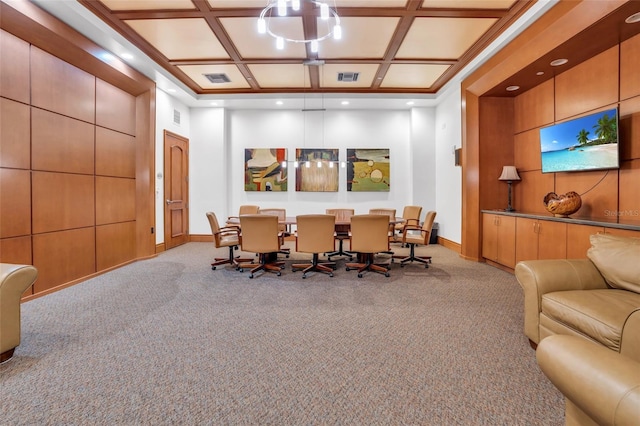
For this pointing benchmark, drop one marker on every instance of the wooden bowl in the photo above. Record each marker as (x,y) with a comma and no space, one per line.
(562,205)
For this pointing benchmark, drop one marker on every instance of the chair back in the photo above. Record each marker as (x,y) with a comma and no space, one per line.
(427,225)
(369,233)
(315,233)
(260,233)
(342,215)
(424,236)
(248,209)
(391,227)
(411,216)
(280,213)
(215,227)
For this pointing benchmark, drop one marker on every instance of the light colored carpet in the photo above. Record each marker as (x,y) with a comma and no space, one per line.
(169,341)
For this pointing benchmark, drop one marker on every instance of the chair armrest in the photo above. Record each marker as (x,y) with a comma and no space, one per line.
(603,384)
(538,277)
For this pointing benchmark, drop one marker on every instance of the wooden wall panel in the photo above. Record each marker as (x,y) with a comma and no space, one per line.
(598,189)
(496,150)
(629,206)
(60,87)
(534,108)
(526,151)
(61,144)
(63,256)
(528,194)
(15,135)
(115,108)
(115,153)
(62,201)
(115,244)
(630,129)
(115,200)
(591,85)
(15,202)
(16,250)
(629,68)
(622,232)
(14,68)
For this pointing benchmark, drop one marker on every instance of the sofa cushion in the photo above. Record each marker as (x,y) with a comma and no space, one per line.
(598,314)
(617,259)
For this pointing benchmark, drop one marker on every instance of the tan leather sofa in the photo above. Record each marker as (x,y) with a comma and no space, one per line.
(596,299)
(14,280)
(601,387)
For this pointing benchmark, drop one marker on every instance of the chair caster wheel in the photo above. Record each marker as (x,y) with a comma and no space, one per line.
(402,265)
(279,273)
(251,276)
(240,269)
(359,275)
(386,275)
(331,275)
(213,268)
(348,269)
(304,276)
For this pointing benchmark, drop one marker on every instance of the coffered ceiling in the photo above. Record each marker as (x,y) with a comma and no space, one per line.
(394,46)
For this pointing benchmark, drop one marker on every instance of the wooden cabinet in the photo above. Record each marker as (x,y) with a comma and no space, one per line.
(498,239)
(578,241)
(540,239)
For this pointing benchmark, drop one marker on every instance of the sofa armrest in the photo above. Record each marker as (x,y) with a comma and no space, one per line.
(538,277)
(603,384)
(14,280)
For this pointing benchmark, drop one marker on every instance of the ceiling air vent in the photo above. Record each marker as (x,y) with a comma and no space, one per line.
(348,77)
(218,78)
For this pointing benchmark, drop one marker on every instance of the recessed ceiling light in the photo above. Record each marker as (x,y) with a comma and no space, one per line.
(512,88)
(279,102)
(171,90)
(540,73)
(633,18)
(410,103)
(214,104)
(345,102)
(127,56)
(558,62)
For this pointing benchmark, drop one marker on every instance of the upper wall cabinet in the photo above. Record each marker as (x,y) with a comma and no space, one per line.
(14,67)
(591,85)
(60,87)
(630,68)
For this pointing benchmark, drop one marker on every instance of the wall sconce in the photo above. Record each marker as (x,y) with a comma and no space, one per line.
(509,173)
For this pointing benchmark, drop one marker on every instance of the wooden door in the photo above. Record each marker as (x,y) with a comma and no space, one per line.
(552,240)
(526,239)
(507,241)
(489,236)
(176,190)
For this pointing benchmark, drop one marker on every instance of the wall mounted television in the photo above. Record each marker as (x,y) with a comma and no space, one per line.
(585,143)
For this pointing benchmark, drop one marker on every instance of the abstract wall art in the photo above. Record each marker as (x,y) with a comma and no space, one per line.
(368,170)
(317,170)
(263,170)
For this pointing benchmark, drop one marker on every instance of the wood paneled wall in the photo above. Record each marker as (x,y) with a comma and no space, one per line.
(76,154)
(597,84)
(591,87)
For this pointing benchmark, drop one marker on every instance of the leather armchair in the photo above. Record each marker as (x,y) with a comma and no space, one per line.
(14,280)
(601,387)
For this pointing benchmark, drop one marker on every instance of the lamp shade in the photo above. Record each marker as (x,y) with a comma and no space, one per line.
(509,173)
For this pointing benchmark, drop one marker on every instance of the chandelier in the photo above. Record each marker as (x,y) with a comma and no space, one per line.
(327,14)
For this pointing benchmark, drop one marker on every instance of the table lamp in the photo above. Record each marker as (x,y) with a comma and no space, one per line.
(509,173)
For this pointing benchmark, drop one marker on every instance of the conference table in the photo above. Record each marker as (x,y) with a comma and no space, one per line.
(291,220)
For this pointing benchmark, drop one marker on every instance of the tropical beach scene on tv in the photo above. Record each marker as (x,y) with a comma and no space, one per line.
(585,143)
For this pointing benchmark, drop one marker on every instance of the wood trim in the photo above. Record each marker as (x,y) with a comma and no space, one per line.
(32,24)
(451,245)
